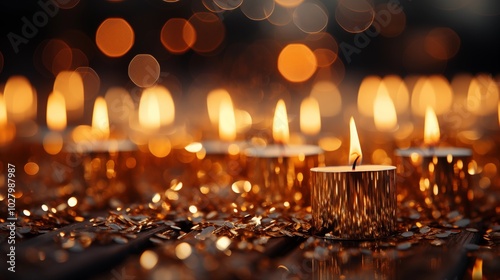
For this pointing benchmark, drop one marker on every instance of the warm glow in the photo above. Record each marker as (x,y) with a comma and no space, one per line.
(431,128)
(165,104)
(178,35)
(149,112)
(384,112)
(367,93)
(227,122)
(214,99)
(477,270)
(355,147)
(310,118)
(483,95)
(297,63)
(194,147)
(70,85)
(114,37)
(280,123)
(56,111)
(53,143)
(20,99)
(100,120)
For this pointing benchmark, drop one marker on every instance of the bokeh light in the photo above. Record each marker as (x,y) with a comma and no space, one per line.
(144,70)
(257,9)
(289,3)
(310,17)
(20,99)
(228,5)
(120,105)
(366,94)
(209,30)
(442,43)
(354,16)
(434,91)
(482,97)
(328,96)
(177,35)
(398,92)
(391,25)
(115,37)
(70,85)
(297,63)
(310,117)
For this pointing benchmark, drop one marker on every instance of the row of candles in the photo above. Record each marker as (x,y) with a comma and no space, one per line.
(347,202)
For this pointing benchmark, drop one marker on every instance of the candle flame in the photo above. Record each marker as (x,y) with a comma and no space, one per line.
(477,270)
(214,100)
(355,154)
(100,120)
(310,118)
(56,111)
(227,121)
(384,111)
(280,123)
(149,111)
(431,128)
(20,99)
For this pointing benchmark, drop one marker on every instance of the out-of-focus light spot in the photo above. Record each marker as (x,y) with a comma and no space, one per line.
(54,55)
(26,213)
(398,92)
(70,85)
(281,16)
(20,99)
(390,26)
(310,17)
(425,93)
(164,103)
(328,96)
(193,209)
(214,99)
(100,119)
(210,32)
(56,111)
(120,105)
(183,250)
(243,120)
(227,121)
(223,243)
(228,5)
(482,97)
(31,168)
(115,37)
(156,198)
(329,144)
(442,43)
(325,57)
(384,112)
(72,201)
(379,156)
(257,9)
(144,70)
(53,143)
(148,259)
(44,207)
(91,82)
(354,16)
(177,35)
(297,63)
(194,147)
(176,185)
(241,186)
(289,3)
(160,147)
(367,93)
(310,117)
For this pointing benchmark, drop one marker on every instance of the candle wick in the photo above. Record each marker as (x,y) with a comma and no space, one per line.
(354,163)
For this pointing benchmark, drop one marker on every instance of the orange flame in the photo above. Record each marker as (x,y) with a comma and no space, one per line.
(384,112)
(431,128)
(227,122)
(100,120)
(280,123)
(56,111)
(355,154)
(310,118)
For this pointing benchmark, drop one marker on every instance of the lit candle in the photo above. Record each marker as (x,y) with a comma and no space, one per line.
(435,178)
(280,172)
(106,160)
(354,201)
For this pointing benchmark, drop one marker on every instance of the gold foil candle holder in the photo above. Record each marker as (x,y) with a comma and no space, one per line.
(435,181)
(353,204)
(280,173)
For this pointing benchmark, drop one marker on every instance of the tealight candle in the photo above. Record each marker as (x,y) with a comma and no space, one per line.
(436,179)
(354,202)
(280,173)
